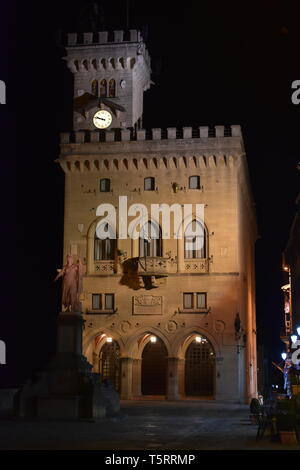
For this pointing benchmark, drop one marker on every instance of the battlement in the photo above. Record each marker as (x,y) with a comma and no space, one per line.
(104,37)
(156,134)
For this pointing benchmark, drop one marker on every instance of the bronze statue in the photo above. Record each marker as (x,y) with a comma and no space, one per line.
(72,284)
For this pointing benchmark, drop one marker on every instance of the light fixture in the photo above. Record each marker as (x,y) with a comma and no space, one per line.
(153,339)
(198,339)
(286,268)
(284,356)
(109,339)
(294,338)
(298,330)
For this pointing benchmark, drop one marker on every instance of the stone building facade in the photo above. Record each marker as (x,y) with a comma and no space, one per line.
(160,319)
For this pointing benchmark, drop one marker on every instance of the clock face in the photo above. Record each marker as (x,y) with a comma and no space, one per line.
(102,119)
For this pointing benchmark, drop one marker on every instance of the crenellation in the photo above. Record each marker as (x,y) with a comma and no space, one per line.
(171,133)
(236,131)
(187,132)
(104,37)
(87,38)
(118,36)
(203,131)
(219,131)
(156,134)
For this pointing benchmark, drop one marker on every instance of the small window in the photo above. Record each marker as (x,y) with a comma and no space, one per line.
(188,300)
(201,300)
(105,185)
(103,87)
(112,88)
(109,301)
(194,182)
(95,87)
(96,302)
(149,184)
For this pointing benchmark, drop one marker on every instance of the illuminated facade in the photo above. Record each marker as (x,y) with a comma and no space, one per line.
(160,319)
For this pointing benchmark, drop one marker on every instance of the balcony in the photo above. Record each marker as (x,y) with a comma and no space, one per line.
(150,266)
(146,270)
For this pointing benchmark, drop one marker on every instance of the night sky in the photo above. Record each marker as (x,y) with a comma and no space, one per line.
(213,63)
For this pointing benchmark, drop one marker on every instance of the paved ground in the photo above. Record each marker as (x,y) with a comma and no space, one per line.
(145,425)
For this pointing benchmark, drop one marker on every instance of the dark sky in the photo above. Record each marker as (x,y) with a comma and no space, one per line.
(213,63)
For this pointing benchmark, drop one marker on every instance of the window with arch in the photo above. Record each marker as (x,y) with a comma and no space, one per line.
(105,248)
(194,182)
(95,87)
(149,184)
(104,185)
(195,241)
(150,240)
(112,88)
(103,87)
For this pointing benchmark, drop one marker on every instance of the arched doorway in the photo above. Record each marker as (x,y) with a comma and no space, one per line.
(199,368)
(110,365)
(154,368)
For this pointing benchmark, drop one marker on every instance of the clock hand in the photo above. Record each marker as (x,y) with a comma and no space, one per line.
(100,118)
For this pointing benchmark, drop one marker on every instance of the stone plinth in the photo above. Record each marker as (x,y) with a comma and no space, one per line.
(68,389)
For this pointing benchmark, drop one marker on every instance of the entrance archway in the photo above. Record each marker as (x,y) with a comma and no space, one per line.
(154,368)
(110,364)
(199,368)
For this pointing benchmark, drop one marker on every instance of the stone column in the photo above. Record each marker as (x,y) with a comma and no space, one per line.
(172,383)
(181,377)
(180,255)
(90,252)
(126,378)
(136,377)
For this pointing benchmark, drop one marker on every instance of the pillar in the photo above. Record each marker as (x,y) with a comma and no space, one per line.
(136,377)
(126,378)
(181,377)
(180,255)
(90,252)
(172,384)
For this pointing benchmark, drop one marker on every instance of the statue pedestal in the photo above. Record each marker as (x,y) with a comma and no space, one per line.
(68,389)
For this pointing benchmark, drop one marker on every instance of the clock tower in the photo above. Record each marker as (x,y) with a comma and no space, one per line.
(111,72)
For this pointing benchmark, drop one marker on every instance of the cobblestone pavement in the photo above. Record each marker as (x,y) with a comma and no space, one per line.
(145,425)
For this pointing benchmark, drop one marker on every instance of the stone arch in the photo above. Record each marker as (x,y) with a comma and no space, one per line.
(183,340)
(102,333)
(180,350)
(136,343)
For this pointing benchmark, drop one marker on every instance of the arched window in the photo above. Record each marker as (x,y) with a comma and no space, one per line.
(194,182)
(150,240)
(103,87)
(112,88)
(149,184)
(95,87)
(104,249)
(194,241)
(105,185)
